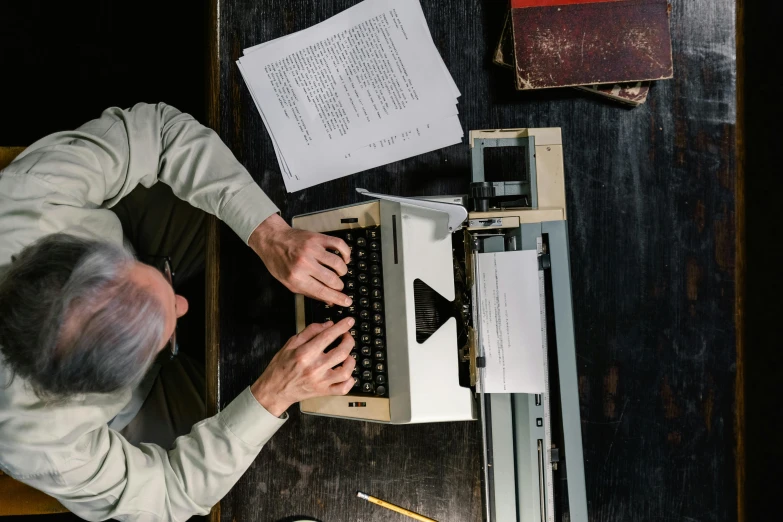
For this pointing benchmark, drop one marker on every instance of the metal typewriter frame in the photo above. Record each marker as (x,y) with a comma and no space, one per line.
(519,459)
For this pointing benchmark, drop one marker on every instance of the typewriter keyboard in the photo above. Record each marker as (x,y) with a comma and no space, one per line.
(364,285)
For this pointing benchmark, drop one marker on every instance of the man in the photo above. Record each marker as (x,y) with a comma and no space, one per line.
(83,322)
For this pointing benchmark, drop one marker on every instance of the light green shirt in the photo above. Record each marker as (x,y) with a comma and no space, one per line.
(67,182)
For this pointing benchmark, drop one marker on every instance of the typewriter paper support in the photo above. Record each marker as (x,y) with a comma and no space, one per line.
(455,214)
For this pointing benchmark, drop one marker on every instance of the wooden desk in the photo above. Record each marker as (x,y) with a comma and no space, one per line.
(654,200)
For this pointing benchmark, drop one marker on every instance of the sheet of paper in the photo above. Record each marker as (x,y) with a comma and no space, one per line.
(361,76)
(419,140)
(278,154)
(454,89)
(510,322)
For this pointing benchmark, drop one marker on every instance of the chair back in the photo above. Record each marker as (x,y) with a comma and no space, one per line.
(18,498)
(7,155)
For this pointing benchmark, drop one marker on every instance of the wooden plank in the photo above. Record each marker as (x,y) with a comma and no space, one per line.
(212,327)
(654,206)
(212,255)
(21,499)
(7,155)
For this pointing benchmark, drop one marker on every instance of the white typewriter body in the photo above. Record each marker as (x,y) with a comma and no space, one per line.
(423,377)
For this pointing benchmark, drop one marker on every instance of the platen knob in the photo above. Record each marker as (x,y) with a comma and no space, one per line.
(480,192)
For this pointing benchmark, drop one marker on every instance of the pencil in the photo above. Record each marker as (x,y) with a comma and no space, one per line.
(398,509)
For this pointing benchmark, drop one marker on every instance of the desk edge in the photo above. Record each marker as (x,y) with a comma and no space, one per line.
(212,261)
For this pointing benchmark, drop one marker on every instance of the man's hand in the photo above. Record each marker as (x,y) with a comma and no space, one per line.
(301,369)
(303,261)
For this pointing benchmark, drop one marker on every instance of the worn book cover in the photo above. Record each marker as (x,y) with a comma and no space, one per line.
(631,93)
(504,52)
(560,43)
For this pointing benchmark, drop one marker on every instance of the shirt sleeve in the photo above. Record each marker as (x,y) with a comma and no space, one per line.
(68,180)
(107,477)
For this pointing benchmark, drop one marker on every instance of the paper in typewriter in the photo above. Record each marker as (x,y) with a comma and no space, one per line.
(362,89)
(510,322)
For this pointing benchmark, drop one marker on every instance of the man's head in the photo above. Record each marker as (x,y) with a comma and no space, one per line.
(83,316)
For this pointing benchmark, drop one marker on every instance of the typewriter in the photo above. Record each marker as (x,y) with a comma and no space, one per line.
(417,301)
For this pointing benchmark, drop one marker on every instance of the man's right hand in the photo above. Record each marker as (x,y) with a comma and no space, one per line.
(301,370)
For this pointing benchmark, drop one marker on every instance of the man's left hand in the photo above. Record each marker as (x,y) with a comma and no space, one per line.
(303,261)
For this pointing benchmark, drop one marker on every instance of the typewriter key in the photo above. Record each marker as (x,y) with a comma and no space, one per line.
(363,280)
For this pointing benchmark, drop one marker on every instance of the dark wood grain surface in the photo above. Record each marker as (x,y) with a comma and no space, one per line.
(652,210)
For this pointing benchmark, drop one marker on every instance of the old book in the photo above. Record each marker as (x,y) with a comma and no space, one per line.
(568,43)
(632,93)
(504,52)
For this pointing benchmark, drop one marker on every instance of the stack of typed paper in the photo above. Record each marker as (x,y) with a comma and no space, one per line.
(362,89)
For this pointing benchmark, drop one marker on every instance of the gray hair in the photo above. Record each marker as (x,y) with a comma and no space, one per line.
(106,346)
